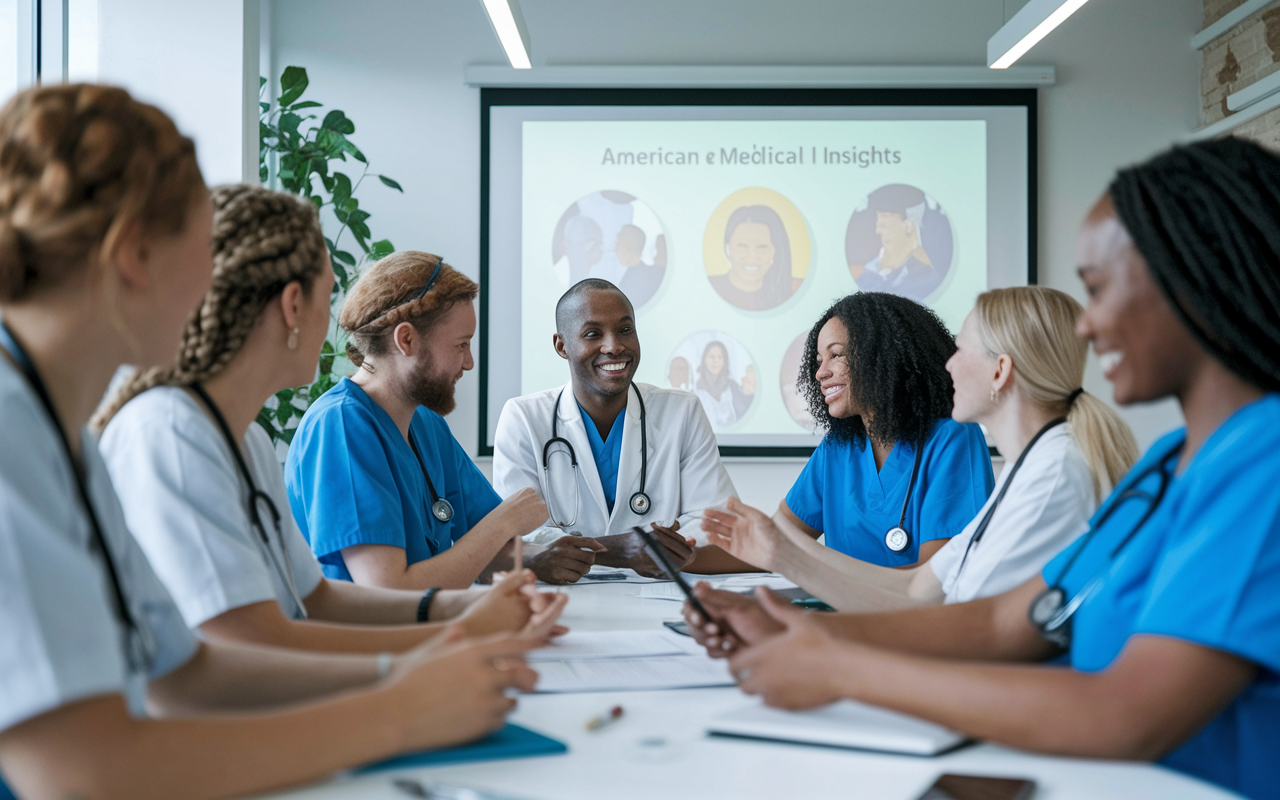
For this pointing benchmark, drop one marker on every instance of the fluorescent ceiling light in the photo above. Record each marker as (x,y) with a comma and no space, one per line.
(508,26)
(1031,24)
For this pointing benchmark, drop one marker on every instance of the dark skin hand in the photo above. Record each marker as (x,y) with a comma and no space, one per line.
(565,560)
(628,550)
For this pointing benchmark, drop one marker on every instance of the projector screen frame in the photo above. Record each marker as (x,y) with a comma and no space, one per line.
(657,96)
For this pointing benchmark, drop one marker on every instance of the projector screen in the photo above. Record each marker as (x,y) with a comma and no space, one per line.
(732,219)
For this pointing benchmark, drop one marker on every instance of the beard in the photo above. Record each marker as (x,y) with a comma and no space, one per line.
(432,389)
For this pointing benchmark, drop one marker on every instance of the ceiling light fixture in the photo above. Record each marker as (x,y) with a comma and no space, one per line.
(1031,24)
(508,26)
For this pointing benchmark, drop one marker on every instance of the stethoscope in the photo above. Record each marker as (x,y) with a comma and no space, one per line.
(898,538)
(441,508)
(140,642)
(1013,472)
(1050,612)
(285,572)
(639,502)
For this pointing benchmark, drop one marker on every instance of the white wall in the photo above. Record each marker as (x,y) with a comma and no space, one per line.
(1128,86)
(199,63)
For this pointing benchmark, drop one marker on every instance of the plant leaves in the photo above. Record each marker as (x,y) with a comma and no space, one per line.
(337,122)
(381,248)
(387,181)
(305,104)
(293,82)
(345,257)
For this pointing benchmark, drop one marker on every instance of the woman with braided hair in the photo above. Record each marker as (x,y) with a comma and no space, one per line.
(1168,607)
(236,566)
(384,493)
(104,692)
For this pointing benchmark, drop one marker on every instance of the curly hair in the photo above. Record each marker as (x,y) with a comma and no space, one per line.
(387,295)
(897,354)
(79,165)
(262,242)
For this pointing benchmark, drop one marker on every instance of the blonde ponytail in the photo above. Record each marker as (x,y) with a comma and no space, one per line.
(1035,326)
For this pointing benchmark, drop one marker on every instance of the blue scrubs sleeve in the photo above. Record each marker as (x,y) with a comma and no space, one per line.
(956,480)
(1217,581)
(478,492)
(341,486)
(805,497)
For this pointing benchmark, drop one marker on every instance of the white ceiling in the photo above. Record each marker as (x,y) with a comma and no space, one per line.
(760,32)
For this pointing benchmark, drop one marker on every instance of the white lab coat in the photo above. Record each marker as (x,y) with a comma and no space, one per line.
(684,474)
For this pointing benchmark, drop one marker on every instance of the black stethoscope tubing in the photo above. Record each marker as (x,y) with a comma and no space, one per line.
(139,639)
(898,538)
(441,508)
(1013,473)
(1050,611)
(639,501)
(255,495)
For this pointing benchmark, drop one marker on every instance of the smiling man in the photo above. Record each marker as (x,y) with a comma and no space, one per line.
(606,453)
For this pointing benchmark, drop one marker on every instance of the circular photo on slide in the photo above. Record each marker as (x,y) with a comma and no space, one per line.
(720,371)
(756,249)
(611,235)
(788,376)
(899,240)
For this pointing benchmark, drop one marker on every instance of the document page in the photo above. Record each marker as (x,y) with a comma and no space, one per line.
(663,672)
(594,645)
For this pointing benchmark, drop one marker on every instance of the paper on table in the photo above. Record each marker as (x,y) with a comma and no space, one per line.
(664,672)
(600,574)
(594,645)
(737,583)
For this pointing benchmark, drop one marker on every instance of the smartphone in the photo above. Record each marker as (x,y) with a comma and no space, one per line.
(659,555)
(680,627)
(979,787)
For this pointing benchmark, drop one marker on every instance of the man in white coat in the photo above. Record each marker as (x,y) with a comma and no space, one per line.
(600,421)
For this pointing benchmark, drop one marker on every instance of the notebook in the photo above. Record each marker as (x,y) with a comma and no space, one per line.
(512,741)
(843,724)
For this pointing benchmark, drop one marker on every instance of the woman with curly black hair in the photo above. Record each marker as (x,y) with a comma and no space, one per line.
(895,477)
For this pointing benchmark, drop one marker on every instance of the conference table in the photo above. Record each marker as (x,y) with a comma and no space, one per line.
(658,749)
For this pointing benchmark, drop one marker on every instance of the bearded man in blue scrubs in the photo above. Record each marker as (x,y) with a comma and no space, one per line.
(378,484)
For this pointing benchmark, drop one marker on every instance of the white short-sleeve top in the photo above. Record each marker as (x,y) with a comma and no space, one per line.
(188,507)
(61,637)
(1047,506)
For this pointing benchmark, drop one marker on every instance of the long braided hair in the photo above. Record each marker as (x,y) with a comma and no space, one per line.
(81,164)
(897,354)
(1206,217)
(262,242)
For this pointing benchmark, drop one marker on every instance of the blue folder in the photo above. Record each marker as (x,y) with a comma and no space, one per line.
(512,741)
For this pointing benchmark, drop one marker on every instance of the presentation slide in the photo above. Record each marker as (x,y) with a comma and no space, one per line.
(731,236)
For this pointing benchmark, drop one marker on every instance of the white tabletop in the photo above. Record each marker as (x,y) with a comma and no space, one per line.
(658,749)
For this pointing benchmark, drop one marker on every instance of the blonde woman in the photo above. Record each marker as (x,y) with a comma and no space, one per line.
(104,249)
(201,487)
(1017,370)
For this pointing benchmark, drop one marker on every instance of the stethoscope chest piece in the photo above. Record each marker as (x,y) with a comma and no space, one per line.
(640,503)
(442,510)
(897,539)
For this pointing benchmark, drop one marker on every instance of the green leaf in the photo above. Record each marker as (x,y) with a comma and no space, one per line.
(264,107)
(345,257)
(305,104)
(293,82)
(387,181)
(337,122)
(289,123)
(381,248)
(341,187)
(287,435)
(262,81)
(339,273)
(326,349)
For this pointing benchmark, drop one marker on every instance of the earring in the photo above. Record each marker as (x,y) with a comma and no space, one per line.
(293,339)
(995,396)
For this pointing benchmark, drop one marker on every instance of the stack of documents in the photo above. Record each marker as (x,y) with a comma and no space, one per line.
(593,661)
(744,583)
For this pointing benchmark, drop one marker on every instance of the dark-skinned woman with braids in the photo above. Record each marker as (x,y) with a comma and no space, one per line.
(104,692)
(895,477)
(199,480)
(1168,608)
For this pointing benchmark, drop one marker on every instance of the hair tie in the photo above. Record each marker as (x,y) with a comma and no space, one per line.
(1071,398)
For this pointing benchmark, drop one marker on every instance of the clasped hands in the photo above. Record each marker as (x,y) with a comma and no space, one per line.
(568,558)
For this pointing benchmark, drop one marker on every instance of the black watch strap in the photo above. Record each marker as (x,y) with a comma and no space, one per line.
(424,605)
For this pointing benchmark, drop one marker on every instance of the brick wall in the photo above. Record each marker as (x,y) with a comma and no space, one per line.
(1248,52)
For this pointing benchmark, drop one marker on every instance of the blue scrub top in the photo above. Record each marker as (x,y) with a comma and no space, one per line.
(841,494)
(1204,568)
(607,453)
(353,479)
